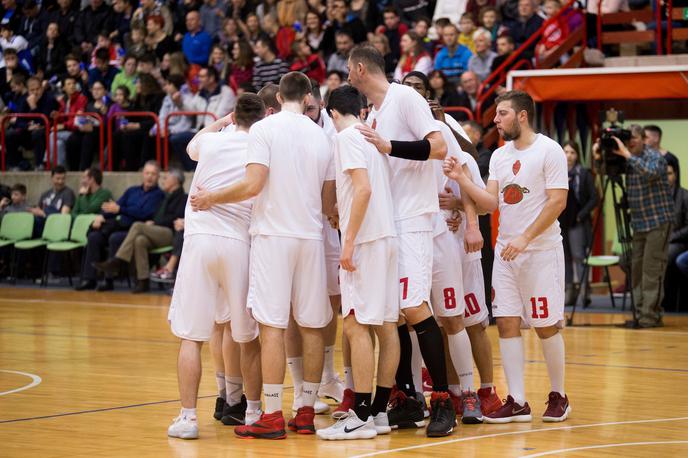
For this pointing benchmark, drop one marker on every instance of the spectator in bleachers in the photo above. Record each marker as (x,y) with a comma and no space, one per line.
(32,25)
(149,8)
(71,102)
(196,42)
(269,68)
(17,134)
(179,126)
(52,53)
(466,31)
(266,8)
(469,91)
(489,19)
(58,199)
(10,14)
(474,7)
(250,28)
(153,233)
(306,61)
(17,201)
(103,71)
(414,57)
(10,69)
(147,64)
(335,78)
(281,37)
(314,33)
(505,47)
(75,68)
(481,62)
(526,25)
(653,139)
(339,60)
(123,11)
(338,14)
(219,60)
(8,40)
(95,18)
(138,203)
(393,29)
(241,69)
(137,42)
(82,145)
(39,101)
(678,237)
(92,195)
(475,134)
(115,51)
(452,59)
(382,44)
(421,27)
(443,90)
(127,76)
(65,15)
(156,39)
(555,32)
(229,34)
(212,13)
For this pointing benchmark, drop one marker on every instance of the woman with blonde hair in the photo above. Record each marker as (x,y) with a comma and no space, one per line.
(381,43)
(414,57)
(220,60)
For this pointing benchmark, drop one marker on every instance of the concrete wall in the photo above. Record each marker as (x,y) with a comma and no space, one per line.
(38,182)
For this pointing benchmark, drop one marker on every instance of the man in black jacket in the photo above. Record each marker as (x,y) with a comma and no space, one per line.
(527,24)
(152,234)
(95,18)
(678,238)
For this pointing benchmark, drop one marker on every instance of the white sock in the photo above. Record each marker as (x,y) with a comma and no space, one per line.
(189,413)
(252,412)
(416,363)
(328,366)
(296,371)
(349,378)
(273,397)
(235,389)
(455,390)
(310,393)
(553,349)
(486,385)
(513,362)
(220,380)
(462,358)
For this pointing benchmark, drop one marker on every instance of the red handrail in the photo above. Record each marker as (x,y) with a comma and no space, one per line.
(101,127)
(465,110)
(166,138)
(40,116)
(670,27)
(133,114)
(482,98)
(658,29)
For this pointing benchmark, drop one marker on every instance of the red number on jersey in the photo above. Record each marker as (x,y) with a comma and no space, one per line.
(404,283)
(541,311)
(449,298)
(472,305)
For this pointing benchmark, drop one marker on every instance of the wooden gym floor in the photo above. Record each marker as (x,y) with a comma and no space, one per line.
(93,375)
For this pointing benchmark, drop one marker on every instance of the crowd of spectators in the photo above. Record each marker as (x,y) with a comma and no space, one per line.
(95,56)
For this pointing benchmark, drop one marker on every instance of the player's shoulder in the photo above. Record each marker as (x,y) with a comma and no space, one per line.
(549,145)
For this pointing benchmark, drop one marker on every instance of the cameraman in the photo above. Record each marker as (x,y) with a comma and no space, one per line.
(649,200)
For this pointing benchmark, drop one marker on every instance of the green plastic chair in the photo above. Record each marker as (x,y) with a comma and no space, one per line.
(15,227)
(56,230)
(161,250)
(77,240)
(605,262)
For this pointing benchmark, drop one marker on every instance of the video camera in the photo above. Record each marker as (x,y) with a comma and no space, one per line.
(614,164)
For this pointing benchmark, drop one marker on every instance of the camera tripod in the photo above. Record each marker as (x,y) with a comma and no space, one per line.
(622,218)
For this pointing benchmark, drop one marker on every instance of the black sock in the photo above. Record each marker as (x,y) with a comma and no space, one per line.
(362,405)
(432,348)
(381,400)
(404,377)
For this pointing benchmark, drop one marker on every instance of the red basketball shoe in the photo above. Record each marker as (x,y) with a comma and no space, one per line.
(270,426)
(347,403)
(302,423)
(489,401)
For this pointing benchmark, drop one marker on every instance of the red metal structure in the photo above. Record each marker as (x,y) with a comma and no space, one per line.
(466,111)
(40,116)
(101,128)
(133,114)
(165,138)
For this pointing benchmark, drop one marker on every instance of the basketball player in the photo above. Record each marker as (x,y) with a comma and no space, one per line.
(369,279)
(288,160)
(528,183)
(401,114)
(213,272)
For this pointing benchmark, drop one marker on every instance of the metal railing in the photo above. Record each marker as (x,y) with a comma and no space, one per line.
(166,137)
(466,111)
(40,116)
(101,128)
(133,114)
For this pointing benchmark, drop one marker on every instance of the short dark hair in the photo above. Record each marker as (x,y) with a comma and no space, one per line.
(19,79)
(390,9)
(20,188)
(344,33)
(653,128)
(68,57)
(346,100)
(249,109)
(424,19)
(336,72)
(10,52)
(125,89)
(96,174)
(148,58)
(69,77)
(294,86)
(520,101)
(176,80)
(103,54)
(369,55)
(420,75)
(508,38)
(315,90)
(212,71)
(58,170)
(128,56)
(268,94)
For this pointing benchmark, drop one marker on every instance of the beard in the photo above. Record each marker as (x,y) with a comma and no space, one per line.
(513,133)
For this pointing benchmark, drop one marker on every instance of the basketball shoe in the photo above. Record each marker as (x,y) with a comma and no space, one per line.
(510,412)
(558,408)
(382,423)
(405,412)
(349,427)
(270,426)
(442,415)
(234,415)
(332,389)
(302,423)
(471,408)
(489,401)
(343,408)
(183,427)
(219,408)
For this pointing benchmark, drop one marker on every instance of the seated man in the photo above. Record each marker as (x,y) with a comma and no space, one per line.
(16,202)
(92,195)
(167,273)
(138,203)
(154,233)
(58,199)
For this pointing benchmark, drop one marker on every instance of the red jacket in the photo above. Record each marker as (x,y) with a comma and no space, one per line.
(313,67)
(77,102)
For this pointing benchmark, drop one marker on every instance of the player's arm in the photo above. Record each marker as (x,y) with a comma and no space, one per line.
(329,199)
(247,188)
(473,239)
(359,206)
(485,199)
(555,204)
(432,146)
(192,147)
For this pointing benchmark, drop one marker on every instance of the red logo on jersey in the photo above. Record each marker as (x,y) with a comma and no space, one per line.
(513,193)
(516,167)
(493,294)
(374,125)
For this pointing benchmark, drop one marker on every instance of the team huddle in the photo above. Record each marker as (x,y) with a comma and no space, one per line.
(263,274)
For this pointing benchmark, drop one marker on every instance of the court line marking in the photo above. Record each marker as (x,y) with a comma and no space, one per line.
(35,380)
(513,433)
(86,303)
(591,447)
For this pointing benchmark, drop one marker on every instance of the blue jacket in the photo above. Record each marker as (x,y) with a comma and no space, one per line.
(453,65)
(138,205)
(197,47)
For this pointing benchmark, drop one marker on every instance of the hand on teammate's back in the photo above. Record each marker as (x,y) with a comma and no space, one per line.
(383,145)
(201,200)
